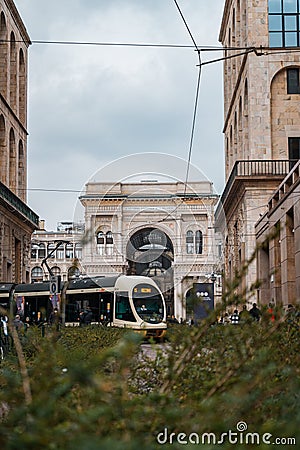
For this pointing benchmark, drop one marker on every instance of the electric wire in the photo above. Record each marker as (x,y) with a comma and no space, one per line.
(263,52)
(196,97)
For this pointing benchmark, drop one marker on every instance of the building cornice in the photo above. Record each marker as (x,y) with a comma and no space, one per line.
(7,106)
(18,21)
(225,19)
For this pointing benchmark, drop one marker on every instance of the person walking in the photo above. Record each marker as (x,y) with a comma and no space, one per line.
(234,318)
(255,313)
(17,322)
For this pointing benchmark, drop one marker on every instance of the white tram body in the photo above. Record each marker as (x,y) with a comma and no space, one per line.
(134,302)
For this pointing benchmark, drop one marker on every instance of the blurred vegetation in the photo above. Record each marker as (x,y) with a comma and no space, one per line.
(93,388)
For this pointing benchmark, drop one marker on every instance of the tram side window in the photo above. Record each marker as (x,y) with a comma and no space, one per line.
(123,309)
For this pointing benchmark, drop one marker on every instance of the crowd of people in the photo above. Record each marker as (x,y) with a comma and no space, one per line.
(254,314)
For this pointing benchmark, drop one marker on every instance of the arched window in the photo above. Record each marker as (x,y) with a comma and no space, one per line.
(22,86)
(37,274)
(189,242)
(21,172)
(3,56)
(100,238)
(55,270)
(199,242)
(3,155)
(73,272)
(13,71)
(109,238)
(109,243)
(12,160)
(246,98)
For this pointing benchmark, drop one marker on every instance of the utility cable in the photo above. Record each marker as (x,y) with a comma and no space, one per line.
(194,111)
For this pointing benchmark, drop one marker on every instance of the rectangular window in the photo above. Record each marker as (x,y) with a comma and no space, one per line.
(293,86)
(284,25)
(123,308)
(275,6)
(294,150)
(290,6)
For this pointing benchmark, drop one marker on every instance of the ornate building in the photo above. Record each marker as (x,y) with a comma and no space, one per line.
(164,230)
(60,250)
(261,118)
(17,220)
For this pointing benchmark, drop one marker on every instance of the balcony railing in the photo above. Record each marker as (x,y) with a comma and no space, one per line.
(15,202)
(257,169)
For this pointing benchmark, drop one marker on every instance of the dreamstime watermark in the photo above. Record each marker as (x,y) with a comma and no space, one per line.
(238,436)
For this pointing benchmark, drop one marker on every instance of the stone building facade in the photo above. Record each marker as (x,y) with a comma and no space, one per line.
(64,247)
(261,118)
(278,238)
(163,230)
(17,220)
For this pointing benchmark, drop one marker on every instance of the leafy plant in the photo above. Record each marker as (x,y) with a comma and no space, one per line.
(94,388)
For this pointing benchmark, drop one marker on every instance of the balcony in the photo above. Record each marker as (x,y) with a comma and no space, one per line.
(7,197)
(258,170)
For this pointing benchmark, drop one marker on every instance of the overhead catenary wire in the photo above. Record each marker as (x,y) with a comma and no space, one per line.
(259,51)
(196,97)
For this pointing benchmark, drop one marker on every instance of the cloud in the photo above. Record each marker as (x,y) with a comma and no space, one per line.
(89,105)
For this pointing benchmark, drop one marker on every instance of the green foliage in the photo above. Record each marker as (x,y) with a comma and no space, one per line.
(93,388)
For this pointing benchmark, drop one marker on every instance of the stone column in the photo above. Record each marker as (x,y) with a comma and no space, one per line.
(287,259)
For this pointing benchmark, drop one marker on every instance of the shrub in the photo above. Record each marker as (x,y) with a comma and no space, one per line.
(93,389)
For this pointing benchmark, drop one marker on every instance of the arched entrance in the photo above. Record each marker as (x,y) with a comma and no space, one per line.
(150,252)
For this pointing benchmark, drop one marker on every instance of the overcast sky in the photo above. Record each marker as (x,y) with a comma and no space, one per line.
(91,105)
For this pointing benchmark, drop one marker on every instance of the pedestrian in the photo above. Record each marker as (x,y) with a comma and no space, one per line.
(54,318)
(271,312)
(234,318)
(85,317)
(255,313)
(226,319)
(88,316)
(17,322)
(244,315)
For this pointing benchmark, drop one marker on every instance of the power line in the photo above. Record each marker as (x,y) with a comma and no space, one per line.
(52,190)
(195,106)
(117,44)
(260,51)
(197,94)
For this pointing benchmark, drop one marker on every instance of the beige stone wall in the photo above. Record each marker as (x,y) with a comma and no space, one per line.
(259,117)
(13,99)
(14,248)
(285,114)
(16,220)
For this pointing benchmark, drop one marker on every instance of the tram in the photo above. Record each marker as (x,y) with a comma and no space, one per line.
(121,301)
(5,291)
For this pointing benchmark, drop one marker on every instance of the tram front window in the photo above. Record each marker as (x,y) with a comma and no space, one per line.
(148,303)
(123,309)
